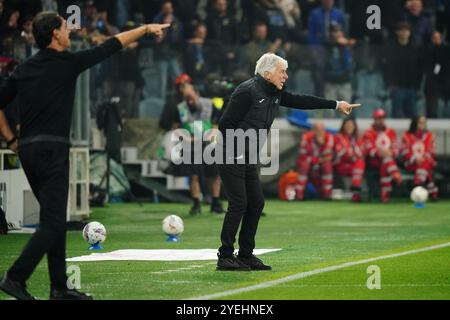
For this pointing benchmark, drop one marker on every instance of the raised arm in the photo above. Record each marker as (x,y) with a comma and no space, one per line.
(86,59)
(131,36)
(301,101)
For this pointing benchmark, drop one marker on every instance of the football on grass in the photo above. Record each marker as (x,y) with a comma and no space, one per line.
(94,232)
(419,194)
(173,225)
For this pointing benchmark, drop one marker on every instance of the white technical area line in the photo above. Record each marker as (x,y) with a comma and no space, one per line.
(310,273)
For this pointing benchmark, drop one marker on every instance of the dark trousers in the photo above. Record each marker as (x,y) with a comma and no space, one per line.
(245,202)
(46,165)
(404,103)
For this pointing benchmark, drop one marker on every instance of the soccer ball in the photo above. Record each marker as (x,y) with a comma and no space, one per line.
(290,193)
(173,225)
(419,195)
(94,232)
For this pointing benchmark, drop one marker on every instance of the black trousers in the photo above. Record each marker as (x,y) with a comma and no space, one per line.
(245,203)
(46,165)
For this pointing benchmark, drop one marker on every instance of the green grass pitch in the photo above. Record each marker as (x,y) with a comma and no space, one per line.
(312,235)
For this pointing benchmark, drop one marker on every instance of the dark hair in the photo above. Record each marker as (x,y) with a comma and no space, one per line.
(341,130)
(402,25)
(414,122)
(43,26)
(258,24)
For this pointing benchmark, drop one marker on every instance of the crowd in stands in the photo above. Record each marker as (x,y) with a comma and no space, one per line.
(403,67)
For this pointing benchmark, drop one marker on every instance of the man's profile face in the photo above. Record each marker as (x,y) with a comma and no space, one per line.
(62,35)
(278,77)
(190,96)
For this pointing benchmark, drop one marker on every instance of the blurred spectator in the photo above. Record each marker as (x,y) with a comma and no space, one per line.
(258,46)
(420,22)
(292,15)
(123,13)
(10,24)
(437,71)
(316,161)
(403,72)
(170,118)
(338,67)
(49,5)
(167,48)
(223,37)
(381,149)
(2,8)
(121,77)
(187,13)
(418,153)
(27,30)
(443,18)
(270,12)
(95,24)
(306,7)
(391,11)
(205,6)
(102,24)
(193,111)
(321,20)
(196,56)
(349,156)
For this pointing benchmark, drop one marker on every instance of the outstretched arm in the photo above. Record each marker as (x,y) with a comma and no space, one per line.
(131,36)
(86,59)
(300,101)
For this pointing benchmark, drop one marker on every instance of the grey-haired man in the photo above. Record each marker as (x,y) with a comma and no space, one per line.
(254,105)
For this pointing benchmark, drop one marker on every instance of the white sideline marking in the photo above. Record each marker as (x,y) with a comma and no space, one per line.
(306,274)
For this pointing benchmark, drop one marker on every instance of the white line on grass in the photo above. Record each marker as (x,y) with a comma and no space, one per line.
(306,274)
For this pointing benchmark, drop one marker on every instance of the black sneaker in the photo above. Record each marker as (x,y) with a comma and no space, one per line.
(15,289)
(254,263)
(231,264)
(217,208)
(68,294)
(195,210)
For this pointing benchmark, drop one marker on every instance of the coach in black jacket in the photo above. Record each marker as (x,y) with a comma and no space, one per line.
(44,88)
(254,105)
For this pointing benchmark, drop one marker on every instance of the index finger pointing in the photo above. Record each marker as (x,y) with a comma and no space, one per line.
(165,25)
(354,106)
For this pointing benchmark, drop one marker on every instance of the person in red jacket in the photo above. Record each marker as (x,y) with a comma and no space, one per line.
(349,157)
(380,148)
(418,154)
(316,160)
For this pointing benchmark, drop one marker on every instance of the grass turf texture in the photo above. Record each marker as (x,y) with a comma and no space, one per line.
(312,235)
